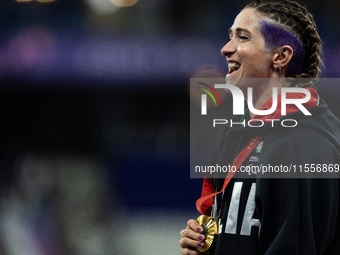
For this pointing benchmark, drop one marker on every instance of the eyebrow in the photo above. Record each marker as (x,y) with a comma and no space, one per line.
(238,29)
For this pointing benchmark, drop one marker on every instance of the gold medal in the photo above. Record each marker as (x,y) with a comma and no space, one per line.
(209,231)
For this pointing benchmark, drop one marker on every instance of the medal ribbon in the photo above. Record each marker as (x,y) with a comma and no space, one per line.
(205,202)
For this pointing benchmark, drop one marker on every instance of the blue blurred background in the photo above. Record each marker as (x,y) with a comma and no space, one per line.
(94,108)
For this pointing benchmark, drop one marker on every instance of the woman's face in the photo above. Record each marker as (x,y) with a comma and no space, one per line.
(246,54)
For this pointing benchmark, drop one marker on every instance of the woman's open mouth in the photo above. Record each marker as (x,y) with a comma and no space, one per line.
(233,67)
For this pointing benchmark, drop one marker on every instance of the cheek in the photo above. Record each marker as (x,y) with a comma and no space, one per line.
(243,51)
(250,54)
(255,62)
(263,59)
(247,57)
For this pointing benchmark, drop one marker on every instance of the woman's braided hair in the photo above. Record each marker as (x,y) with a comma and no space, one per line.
(295,16)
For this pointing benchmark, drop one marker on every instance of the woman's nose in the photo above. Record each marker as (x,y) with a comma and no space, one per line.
(229,48)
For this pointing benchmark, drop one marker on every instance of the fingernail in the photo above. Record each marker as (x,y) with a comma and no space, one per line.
(199,230)
(200,238)
(200,244)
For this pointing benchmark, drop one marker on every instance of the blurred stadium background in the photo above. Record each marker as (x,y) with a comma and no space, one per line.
(94,109)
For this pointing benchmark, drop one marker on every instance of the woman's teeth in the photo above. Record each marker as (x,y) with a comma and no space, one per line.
(233,67)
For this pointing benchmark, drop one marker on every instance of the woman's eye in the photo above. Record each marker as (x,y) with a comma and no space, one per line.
(243,37)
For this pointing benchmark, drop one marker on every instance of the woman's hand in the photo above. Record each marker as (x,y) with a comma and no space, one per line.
(192,239)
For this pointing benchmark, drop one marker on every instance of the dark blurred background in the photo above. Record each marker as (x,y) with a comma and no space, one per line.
(94,108)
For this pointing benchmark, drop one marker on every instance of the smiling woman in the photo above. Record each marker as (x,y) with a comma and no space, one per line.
(273,214)
(246,48)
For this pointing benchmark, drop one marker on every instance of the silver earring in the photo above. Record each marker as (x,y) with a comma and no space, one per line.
(278,72)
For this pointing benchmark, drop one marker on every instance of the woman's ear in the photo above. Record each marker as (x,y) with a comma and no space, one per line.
(282,56)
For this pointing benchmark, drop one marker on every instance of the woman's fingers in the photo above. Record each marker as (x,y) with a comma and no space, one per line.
(189,247)
(185,251)
(194,231)
(190,243)
(191,238)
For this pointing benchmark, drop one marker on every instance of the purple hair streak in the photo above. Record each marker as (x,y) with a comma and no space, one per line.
(275,36)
